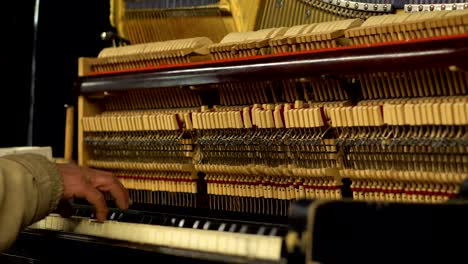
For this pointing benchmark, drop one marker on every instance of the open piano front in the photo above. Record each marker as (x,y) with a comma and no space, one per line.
(283,149)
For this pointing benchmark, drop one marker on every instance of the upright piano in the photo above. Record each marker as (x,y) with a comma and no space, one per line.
(336,140)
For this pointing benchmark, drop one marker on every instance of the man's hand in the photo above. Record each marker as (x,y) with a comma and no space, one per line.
(83,182)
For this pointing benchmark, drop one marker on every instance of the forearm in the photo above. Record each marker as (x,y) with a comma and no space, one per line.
(30,188)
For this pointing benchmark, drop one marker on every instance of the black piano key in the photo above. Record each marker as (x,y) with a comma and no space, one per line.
(243,229)
(206,225)
(112,215)
(222,227)
(232,228)
(261,231)
(273,232)
(181,223)
(145,220)
(196,224)
(120,216)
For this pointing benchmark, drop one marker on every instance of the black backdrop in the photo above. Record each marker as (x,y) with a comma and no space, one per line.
(66,30)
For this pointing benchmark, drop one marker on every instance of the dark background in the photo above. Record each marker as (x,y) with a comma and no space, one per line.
(67,30)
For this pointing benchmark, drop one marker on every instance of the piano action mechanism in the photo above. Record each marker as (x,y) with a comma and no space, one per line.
(397,135)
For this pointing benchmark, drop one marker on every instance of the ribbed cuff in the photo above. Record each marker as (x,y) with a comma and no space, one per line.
(47,178)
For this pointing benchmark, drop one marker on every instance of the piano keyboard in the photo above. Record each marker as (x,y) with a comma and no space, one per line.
(233,239)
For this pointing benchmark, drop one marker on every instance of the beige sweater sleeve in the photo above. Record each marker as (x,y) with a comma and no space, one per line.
(30,188)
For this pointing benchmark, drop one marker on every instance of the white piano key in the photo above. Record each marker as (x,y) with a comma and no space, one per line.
(212,239)
(222,243)
(241,245)
(194,240)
